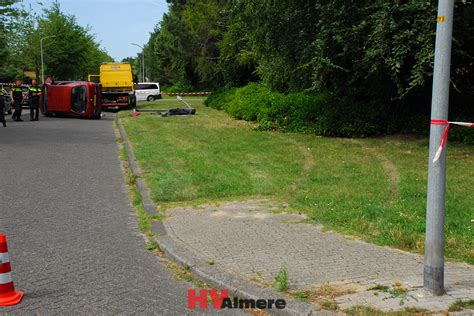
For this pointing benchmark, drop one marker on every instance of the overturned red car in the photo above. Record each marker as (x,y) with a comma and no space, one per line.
(73,98)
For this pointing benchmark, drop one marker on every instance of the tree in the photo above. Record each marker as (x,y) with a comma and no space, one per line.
(280,34)
(7,15)
(72,53)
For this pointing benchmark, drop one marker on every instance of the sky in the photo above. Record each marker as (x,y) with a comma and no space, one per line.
(115,23)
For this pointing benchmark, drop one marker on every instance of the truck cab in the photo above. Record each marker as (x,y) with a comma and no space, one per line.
(74,98)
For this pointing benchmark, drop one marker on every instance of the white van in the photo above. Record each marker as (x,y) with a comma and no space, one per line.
(148,91)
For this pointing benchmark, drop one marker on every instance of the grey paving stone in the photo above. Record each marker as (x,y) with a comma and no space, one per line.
(247,239)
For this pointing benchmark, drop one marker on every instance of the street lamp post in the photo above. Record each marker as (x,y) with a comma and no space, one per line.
(143,61)
(433,280)
(141,73)
(42,58)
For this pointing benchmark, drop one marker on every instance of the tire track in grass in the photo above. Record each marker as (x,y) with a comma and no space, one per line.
(308,165)
(390,169)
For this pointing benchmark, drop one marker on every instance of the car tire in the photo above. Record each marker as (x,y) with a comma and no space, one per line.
(150,98)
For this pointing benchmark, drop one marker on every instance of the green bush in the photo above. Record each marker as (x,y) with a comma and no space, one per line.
(272,110)
(250,101)
(323,114)
(220,98)
(293,112)
(178,87)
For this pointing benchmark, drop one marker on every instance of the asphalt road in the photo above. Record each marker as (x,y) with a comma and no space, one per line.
(73,237)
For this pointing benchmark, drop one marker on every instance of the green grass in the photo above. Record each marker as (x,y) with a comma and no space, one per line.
(371,188)
(300,295)
(461,305)
(281,279)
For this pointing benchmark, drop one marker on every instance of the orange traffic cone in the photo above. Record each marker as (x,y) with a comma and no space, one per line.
(8,295)
(135,113)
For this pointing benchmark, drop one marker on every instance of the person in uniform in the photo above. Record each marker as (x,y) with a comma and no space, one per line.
(2,109)
(16,94)
(34,97)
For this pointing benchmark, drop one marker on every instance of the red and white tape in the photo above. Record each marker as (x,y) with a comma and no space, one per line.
(445,134)
(184,93)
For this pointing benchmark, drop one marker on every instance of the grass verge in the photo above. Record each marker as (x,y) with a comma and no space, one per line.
(374,189)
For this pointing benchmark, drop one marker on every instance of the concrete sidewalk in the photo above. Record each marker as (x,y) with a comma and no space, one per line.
(247,239)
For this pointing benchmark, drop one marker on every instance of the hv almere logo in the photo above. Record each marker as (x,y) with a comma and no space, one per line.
(221,299)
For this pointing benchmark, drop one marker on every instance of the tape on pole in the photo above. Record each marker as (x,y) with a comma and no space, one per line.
(445,134)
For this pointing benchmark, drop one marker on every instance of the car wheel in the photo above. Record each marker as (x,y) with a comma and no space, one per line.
(150,98)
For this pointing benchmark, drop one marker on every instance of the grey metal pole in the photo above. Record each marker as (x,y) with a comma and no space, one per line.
(142,68)
(433,279)
(143,63)
(140,63)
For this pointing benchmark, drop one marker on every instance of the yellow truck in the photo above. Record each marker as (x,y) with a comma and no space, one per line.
(117,86)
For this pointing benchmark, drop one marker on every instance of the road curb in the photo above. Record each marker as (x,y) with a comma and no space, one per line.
(211,274)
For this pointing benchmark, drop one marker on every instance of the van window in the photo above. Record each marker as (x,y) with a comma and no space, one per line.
(79,99)
(146,86)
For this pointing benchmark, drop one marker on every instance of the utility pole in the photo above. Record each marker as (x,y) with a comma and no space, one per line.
(433,279)
(142,68)
(140,77)
(42,58)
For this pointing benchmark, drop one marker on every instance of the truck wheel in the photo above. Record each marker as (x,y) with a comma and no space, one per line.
(150,98)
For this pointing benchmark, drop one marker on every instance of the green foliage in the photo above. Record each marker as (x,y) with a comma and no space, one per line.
(178,87)
(280,34)
(296,111)
(370,62)
(251,100)
(281,279)
(7,13)
(152,245)
(220,98)
(72,53)
(459,305)
(301,295)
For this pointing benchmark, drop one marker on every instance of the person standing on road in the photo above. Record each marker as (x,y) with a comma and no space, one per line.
(2,109)
(16,94)
(34,97)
